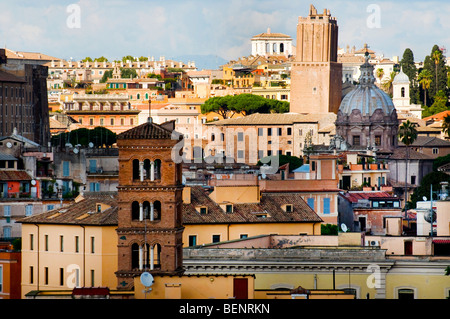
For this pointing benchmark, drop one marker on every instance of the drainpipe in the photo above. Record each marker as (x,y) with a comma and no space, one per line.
(84,254)
(37,266)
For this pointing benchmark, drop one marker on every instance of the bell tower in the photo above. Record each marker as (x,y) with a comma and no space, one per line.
(150,203)
(316,76)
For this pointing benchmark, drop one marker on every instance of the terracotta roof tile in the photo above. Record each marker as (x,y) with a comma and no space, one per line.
(6,175)
(269,205)
(82,212)
(147,130)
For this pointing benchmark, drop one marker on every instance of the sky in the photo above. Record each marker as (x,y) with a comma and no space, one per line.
(221,28)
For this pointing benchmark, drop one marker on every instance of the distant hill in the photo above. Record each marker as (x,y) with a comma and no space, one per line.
(203,62)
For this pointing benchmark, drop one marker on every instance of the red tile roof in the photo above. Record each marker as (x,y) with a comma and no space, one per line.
(6,175)
(355,196)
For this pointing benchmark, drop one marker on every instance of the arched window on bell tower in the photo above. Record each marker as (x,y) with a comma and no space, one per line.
(402,92)
(134,256)
(135,210)
(136,169)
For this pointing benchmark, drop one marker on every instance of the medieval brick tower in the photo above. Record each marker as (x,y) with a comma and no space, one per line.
(150,203)
(316,77)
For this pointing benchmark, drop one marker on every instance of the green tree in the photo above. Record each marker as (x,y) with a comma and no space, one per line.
(219,105)
(433,178)
(425,79)
(407,134)
(106,75)
(294,161)
(380,73)
(101,59)
(446,126)
(87,59)
(435,63)
(128,58)
(127,73)
(439,105)
(143,58)
(387,84)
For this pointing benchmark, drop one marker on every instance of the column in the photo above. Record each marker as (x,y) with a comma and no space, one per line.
(141,257)
(141,212)
(141,171)
(151,211)
(151,258)
(152,170)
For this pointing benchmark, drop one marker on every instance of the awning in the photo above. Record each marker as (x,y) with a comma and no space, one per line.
(441,241)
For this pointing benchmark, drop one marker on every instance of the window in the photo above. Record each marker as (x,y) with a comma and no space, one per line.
(260,131)
(31,241)
(102,121)
(50,207)
(403,92)
(413,180)
(405,293)
(203,210)
(46,276)
(77,244)
(215,238)
(92,166)
(243,236)
(91,121)
(435,150)
(229,208)
(289,208)
(378,140)
(1,278)
(112,121)
(92,245)
(240,136)
(7,232)
(260,154)
(7,211)
(356,140)
(326,205)
(280,131)
(94,187)
(310,202)
(92,278)
(46,242)
(61,276)
(313,165)
(269,132)
(240,154)
(192,240)
(289,131)
(61,243)
(31,275)
(66,168)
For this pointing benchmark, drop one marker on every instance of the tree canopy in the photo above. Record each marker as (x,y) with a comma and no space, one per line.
(99,136)
(294,161)
(229,105)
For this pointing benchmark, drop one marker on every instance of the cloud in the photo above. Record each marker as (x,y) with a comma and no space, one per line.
(172,28)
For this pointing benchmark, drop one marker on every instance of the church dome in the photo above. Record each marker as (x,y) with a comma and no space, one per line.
(366,97)
(401,78)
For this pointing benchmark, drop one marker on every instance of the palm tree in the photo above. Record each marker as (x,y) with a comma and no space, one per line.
(407,134)
(380,73)
(425,80)
(436,56)
(446,126)
(387,84)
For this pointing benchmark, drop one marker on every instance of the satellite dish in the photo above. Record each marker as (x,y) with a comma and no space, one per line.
(146,279)
(91,145)
(75,150)
(9,145)
(344,227)
(33,182)
(424,198)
